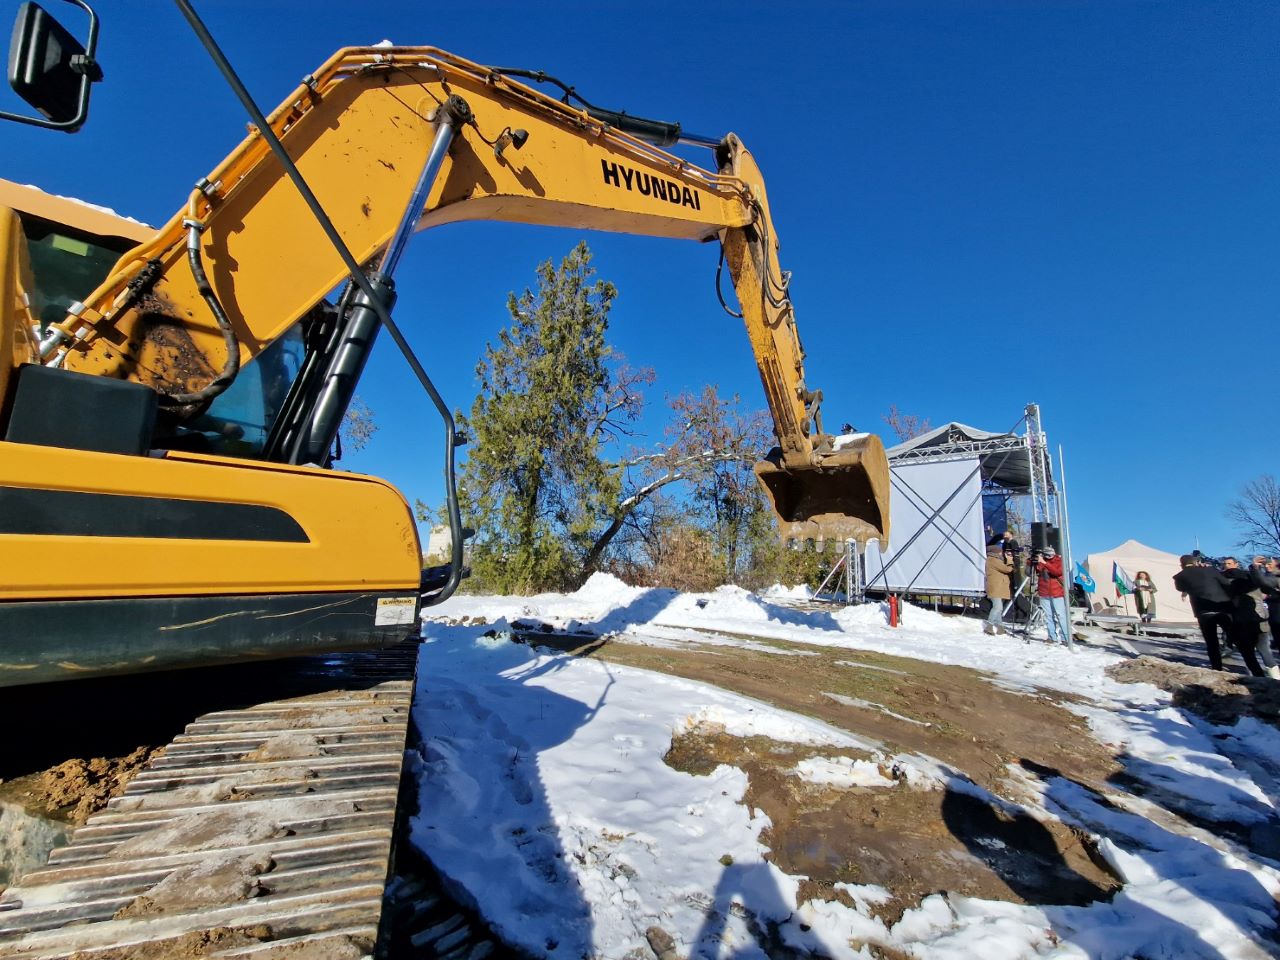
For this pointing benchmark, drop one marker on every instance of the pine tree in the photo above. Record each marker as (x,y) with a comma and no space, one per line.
(548,504)
(535,483)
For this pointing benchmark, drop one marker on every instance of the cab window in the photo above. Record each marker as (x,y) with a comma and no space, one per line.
(239,420)
(67,265)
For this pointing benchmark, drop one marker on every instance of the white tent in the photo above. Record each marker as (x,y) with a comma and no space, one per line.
(1134,556)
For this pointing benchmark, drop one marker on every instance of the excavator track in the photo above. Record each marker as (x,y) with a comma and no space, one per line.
(259,832)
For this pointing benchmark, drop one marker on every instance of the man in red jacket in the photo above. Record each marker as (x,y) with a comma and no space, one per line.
(1052,589)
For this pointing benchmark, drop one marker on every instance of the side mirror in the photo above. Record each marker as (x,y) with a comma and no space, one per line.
(49,68)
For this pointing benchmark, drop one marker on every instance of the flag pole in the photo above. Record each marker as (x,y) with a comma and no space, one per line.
(1063,521)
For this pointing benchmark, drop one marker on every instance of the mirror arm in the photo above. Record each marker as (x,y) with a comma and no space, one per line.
(86,66)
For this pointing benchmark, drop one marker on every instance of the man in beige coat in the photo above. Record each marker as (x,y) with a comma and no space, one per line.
(998,587)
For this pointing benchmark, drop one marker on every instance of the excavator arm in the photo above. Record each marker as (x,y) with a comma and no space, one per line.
(359,130)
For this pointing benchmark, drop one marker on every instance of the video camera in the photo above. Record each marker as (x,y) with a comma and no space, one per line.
(1207,561)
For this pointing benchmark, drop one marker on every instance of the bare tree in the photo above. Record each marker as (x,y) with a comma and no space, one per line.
(1256,514)
(358,426)
(905,425)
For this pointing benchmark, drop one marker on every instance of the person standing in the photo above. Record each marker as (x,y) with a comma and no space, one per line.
(1249,626)
(1013,557)
(1208,591)
(1144,595)
(998,589)
(1051,586)
(1266,574)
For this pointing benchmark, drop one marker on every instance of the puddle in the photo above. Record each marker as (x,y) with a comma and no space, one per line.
(26,841)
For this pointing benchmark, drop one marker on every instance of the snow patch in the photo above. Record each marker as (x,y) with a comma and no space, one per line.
(842,772)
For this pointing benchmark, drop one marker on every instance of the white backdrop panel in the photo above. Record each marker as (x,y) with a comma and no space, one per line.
(949,553)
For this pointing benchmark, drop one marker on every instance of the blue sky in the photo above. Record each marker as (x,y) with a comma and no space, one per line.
(983,204)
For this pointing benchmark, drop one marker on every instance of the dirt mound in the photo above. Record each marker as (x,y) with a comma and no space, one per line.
(1221,698)
(75,789)
(912,841)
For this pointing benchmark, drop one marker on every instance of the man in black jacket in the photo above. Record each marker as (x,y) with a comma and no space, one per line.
(1211,601)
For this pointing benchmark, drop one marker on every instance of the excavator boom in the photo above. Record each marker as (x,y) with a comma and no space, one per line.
(359,129)
(223,309)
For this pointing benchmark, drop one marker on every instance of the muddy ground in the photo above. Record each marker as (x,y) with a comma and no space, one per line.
(1221,698)
(75,789)
(912,841)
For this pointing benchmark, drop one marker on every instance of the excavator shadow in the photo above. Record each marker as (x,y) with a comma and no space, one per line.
(481,729)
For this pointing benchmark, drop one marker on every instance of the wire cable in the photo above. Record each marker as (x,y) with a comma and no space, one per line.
(358,277)
(719,290)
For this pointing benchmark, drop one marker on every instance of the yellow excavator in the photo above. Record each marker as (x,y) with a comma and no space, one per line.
(170,399)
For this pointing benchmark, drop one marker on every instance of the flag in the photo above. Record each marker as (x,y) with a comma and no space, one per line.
(1082,577)
(1124,583)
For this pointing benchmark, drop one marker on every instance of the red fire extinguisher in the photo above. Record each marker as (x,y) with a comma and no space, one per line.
(893,610)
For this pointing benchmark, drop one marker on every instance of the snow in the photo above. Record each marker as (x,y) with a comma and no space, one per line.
(546,803)
(548,806)
(842,772)
(86,203)
(848,440)
(779,592)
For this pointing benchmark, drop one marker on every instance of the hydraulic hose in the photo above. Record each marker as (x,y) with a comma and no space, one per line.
(660,133)
(232,365)
(358,278)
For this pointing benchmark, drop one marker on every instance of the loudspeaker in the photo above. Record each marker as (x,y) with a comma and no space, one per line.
(1037,535)
(1043,535)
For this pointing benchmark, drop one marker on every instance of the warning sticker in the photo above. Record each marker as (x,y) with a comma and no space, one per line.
(394,610)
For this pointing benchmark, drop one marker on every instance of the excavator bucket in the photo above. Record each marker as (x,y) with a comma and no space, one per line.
(843,496)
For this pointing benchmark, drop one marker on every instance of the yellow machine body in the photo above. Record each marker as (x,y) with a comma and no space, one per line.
(114,563)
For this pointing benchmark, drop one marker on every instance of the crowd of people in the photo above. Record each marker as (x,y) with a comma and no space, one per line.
(1239,604)
(1232,603)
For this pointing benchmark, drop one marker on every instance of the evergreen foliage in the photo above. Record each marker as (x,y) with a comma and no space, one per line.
(535,481)
(543,485)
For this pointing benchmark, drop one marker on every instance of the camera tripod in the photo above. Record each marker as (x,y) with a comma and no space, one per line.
(1035,616)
